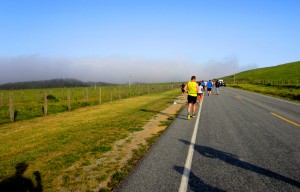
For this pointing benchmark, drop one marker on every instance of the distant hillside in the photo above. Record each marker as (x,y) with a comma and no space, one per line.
(284,72)
(54,83)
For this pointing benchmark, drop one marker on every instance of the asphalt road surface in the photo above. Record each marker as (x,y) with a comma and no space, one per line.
(239,141)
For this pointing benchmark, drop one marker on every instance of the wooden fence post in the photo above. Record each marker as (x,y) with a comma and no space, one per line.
(11,108)
(86,94)
(69,100)
(1,99)
(45,110)
(139,90)
(133,90)
(111,93)
(100,95)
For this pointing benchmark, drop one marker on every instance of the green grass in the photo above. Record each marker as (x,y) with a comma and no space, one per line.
(29,103)
(285,74)
(135,129)
(289,93)
(52,144)
(281,81)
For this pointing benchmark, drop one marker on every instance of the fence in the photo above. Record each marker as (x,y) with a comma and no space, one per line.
(25,104)
(289,83)
(278,83)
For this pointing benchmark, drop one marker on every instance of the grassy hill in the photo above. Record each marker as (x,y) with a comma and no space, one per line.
(279,81)
(53,83)
(287,73)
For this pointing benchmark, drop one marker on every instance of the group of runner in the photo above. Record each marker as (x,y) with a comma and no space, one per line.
(195,92)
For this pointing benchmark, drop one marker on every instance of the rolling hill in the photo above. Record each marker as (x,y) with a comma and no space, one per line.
(284,72)
(53,83)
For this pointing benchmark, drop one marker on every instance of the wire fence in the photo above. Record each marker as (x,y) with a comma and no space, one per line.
(289,83)
(26,104)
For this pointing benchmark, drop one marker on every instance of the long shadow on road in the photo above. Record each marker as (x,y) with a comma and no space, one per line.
(196,184)
(233,160)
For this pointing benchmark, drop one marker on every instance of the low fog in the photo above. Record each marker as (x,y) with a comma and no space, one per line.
(113,69)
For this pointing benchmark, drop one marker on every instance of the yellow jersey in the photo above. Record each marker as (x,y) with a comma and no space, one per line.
(192,88)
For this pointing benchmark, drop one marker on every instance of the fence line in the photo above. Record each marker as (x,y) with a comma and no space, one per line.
(1,99)
(269,82)
(45,106)
(33,103)
(11,108)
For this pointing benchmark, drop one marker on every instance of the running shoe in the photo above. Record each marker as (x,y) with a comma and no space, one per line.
(189,117)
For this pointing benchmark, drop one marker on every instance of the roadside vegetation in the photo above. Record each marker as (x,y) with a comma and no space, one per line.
(71,149)
(280,81)
(289,93)
(16,105)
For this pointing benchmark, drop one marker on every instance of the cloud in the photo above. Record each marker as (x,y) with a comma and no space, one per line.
(112,69)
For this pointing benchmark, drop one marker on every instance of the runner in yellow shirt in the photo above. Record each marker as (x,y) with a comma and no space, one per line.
(192,89)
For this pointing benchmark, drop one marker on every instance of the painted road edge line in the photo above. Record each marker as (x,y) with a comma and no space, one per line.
(188,163)
(291,122)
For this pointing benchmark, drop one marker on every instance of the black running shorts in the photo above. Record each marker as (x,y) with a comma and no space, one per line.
(192,99)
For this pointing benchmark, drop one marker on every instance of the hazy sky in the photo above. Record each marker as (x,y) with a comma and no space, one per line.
(144,40)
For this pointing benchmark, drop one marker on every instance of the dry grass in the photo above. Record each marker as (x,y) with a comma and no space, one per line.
(73,150)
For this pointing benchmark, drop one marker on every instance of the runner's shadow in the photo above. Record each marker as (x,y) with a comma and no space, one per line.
(162,113)
(233,160)
(19,183)
(184,117)
(195,183)
(157,112)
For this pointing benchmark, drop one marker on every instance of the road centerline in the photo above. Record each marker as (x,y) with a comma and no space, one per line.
(189,158)
(289,121)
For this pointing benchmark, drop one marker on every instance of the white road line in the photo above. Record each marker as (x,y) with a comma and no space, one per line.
(188,163)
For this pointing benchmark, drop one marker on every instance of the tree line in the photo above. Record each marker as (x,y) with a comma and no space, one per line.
(53,83)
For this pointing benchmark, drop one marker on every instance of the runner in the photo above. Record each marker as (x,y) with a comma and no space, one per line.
(200,92)
(191,88)
(182,88)
(203,85)
(209,87)
(218,87)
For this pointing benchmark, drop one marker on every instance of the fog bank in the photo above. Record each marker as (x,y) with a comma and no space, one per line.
(113,69)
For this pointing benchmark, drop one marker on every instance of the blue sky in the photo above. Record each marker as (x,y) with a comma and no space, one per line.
(148,40)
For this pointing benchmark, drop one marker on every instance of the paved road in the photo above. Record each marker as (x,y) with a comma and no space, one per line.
(239,141)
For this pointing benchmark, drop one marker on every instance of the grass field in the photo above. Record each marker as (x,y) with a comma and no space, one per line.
(29,103)
(57,142)
(282,75)
(280,81)
(289,93)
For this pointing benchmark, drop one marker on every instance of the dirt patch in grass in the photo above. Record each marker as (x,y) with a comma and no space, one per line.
(97,174)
